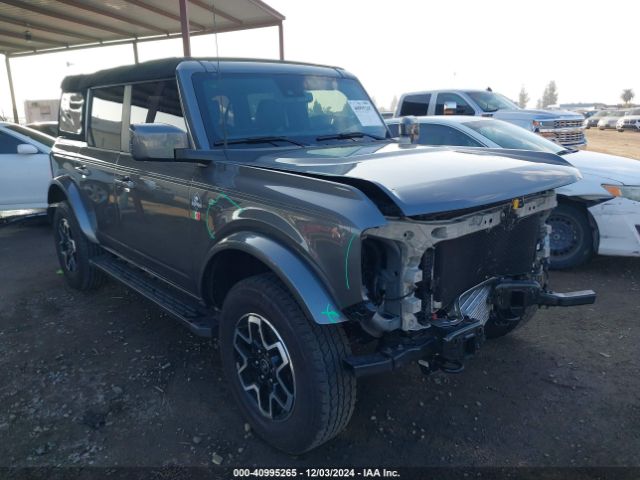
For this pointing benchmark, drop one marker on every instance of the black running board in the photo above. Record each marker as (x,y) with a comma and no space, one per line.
(197,318)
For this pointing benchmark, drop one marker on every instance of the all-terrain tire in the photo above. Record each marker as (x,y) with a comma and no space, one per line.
(324,390)
(571,236)
(79,272)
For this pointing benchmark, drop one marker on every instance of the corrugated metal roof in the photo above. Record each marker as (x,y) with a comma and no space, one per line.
(33,26)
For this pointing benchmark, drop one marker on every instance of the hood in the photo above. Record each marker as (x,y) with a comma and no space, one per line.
(620,169)
(423,180)
(537,115)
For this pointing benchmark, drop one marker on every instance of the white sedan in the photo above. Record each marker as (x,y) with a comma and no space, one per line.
(598,214)
(25,170)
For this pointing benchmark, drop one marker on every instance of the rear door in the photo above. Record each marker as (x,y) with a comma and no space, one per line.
(24,177)
(93,165)
(153,197)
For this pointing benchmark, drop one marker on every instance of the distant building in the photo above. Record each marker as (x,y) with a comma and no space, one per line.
(41,110)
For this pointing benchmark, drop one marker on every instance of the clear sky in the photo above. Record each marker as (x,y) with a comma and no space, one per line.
(589,47)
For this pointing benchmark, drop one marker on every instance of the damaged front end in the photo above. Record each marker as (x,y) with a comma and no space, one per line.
(434,283)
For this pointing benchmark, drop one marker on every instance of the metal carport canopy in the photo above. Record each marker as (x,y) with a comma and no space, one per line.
(31,27)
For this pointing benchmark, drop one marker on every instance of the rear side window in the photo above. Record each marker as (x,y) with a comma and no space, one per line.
(8,144)
(431,134)
(34,134)
(462,107)
(70,117)
(157,102)
(105,125)
(415,105)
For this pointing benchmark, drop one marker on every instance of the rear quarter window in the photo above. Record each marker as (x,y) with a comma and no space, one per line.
(417,105)
(71,114)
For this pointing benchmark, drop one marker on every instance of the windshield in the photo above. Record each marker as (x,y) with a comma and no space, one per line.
(507,135)
(43,138)
(617,113)
(492,102)
(243,110)
(635,111)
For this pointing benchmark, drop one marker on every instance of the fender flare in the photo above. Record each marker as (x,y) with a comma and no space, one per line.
(305,285)
(84,214)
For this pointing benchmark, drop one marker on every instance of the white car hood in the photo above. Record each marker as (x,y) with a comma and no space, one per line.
(612,167)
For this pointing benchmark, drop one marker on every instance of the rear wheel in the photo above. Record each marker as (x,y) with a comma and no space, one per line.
(571,236)
(285,371)
(75,251)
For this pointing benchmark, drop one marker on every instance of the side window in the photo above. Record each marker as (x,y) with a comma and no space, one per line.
(431,134)
(8,144)
(394,128)
(415,105)
(70,118)
(157,102)
(462,107)
(106,117)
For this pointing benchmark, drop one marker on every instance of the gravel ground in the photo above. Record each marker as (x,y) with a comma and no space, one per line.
(107,379)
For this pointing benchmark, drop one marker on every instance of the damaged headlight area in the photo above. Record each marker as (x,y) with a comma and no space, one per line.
(433,283)
(631,192)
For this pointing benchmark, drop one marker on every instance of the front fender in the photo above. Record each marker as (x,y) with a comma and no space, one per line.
(310,293)
(64,188)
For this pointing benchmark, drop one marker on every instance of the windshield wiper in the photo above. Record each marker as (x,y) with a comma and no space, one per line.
(252,140)
(348,136)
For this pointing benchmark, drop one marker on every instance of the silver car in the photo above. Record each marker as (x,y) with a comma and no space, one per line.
(630,121)
(593,120)
(610,120)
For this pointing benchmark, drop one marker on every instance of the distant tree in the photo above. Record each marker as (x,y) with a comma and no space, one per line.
(539,104)
(394,104)
(627,95)
(523,98)
(550,95)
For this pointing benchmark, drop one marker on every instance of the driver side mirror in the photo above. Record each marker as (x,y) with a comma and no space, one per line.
(409,130)
(450,108)
(27,149)
(156,142)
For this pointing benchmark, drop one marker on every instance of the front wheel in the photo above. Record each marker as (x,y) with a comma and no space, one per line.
(571,236)
(285,371)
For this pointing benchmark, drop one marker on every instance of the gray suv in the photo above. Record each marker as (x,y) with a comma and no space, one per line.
(266,204)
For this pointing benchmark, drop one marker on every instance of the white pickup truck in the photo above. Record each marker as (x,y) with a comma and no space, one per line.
(560,126)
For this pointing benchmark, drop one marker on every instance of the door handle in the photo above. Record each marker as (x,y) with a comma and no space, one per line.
(125,182)
(82,170)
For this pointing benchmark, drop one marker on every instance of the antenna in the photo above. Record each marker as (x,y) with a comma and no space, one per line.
(215,29)
(215,34)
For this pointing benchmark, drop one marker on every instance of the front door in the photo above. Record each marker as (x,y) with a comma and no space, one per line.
(153,197)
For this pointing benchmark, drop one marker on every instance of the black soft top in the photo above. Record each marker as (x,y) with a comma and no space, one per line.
(154,70)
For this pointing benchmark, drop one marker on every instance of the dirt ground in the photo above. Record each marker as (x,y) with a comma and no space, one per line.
(626,144)
(107,379)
